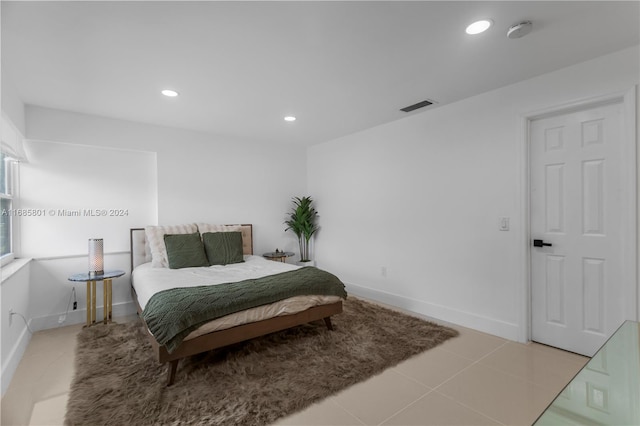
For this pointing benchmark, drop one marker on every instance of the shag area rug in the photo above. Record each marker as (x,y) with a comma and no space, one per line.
(118,382)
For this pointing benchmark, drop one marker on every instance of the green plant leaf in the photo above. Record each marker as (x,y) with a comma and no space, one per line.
(303,223)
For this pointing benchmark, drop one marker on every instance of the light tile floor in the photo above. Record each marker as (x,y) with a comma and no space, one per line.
(473,379)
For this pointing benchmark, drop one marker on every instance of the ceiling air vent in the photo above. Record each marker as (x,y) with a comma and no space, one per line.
(416,106)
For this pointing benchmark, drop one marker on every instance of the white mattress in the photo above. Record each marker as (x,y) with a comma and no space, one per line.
(148,280)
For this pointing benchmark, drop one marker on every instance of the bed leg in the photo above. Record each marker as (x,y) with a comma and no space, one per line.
(173,367)
(327,321)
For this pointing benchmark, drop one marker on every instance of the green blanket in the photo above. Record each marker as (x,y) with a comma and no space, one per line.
(172,314)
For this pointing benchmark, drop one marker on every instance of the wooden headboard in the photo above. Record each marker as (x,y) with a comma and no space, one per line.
(140,250)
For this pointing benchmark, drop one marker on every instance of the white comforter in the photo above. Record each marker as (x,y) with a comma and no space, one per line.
(148,280)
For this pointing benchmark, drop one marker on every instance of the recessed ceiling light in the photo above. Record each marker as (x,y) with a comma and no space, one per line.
(479,26)
(169,93)
(289,118)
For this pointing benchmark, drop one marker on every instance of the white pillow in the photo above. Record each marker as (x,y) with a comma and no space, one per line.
(155,238)
(208,227)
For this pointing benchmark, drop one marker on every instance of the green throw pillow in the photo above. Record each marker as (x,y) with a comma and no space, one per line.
(185,250)
(223,248)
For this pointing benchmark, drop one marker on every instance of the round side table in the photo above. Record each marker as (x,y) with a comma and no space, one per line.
(91,280)
(278,256)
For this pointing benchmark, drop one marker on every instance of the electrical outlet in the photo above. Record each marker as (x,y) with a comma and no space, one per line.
(61,319)
(75,305)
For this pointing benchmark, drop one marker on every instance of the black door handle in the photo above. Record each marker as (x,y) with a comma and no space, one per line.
(540,243)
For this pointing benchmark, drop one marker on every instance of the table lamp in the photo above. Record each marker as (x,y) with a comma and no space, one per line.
(96,257)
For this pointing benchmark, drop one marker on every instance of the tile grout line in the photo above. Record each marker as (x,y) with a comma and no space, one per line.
(478,361)
(539,386)
(53,336)
(515,376)
(427,388)
(525,379)
(470,365)
(434,389)
(407,406)
(347,410)
(356,418)
(44,400)
(470,408)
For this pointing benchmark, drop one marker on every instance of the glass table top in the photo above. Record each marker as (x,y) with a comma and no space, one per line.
(84,276)
(278,254)
(607,389)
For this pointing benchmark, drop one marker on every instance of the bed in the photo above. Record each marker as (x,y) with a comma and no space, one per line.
(150,281)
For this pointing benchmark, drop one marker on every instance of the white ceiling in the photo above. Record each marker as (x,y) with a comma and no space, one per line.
(240,67)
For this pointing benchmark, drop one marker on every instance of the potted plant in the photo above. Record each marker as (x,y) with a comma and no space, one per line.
(302,221)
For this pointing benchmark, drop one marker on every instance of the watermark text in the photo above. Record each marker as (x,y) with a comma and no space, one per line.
(65,212)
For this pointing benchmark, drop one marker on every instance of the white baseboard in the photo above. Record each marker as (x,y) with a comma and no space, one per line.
(10,365)
(79,316)
(466,319)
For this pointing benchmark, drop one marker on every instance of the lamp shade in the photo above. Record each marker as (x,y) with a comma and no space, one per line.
(96,257)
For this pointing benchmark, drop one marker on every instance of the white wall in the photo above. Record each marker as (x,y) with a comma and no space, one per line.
(12,105)
(14,290)
(82,192)
(15,337)
(199,178)
(420,199)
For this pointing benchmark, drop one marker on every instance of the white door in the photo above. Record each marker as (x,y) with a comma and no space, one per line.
(578,201)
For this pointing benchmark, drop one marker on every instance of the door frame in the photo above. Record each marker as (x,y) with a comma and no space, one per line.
(632,155)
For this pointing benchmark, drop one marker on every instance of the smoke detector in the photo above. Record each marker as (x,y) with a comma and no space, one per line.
(520,30)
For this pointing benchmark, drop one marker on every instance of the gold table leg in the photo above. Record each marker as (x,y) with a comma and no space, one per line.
(108,301)
(93,302)
(88,303)
(105,313)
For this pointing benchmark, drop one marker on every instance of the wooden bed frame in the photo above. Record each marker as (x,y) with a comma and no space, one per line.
(218,339)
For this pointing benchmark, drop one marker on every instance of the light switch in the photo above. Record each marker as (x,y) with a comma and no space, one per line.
(503,223)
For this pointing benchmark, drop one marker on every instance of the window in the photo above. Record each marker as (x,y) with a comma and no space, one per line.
(12,152)
(6,205)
